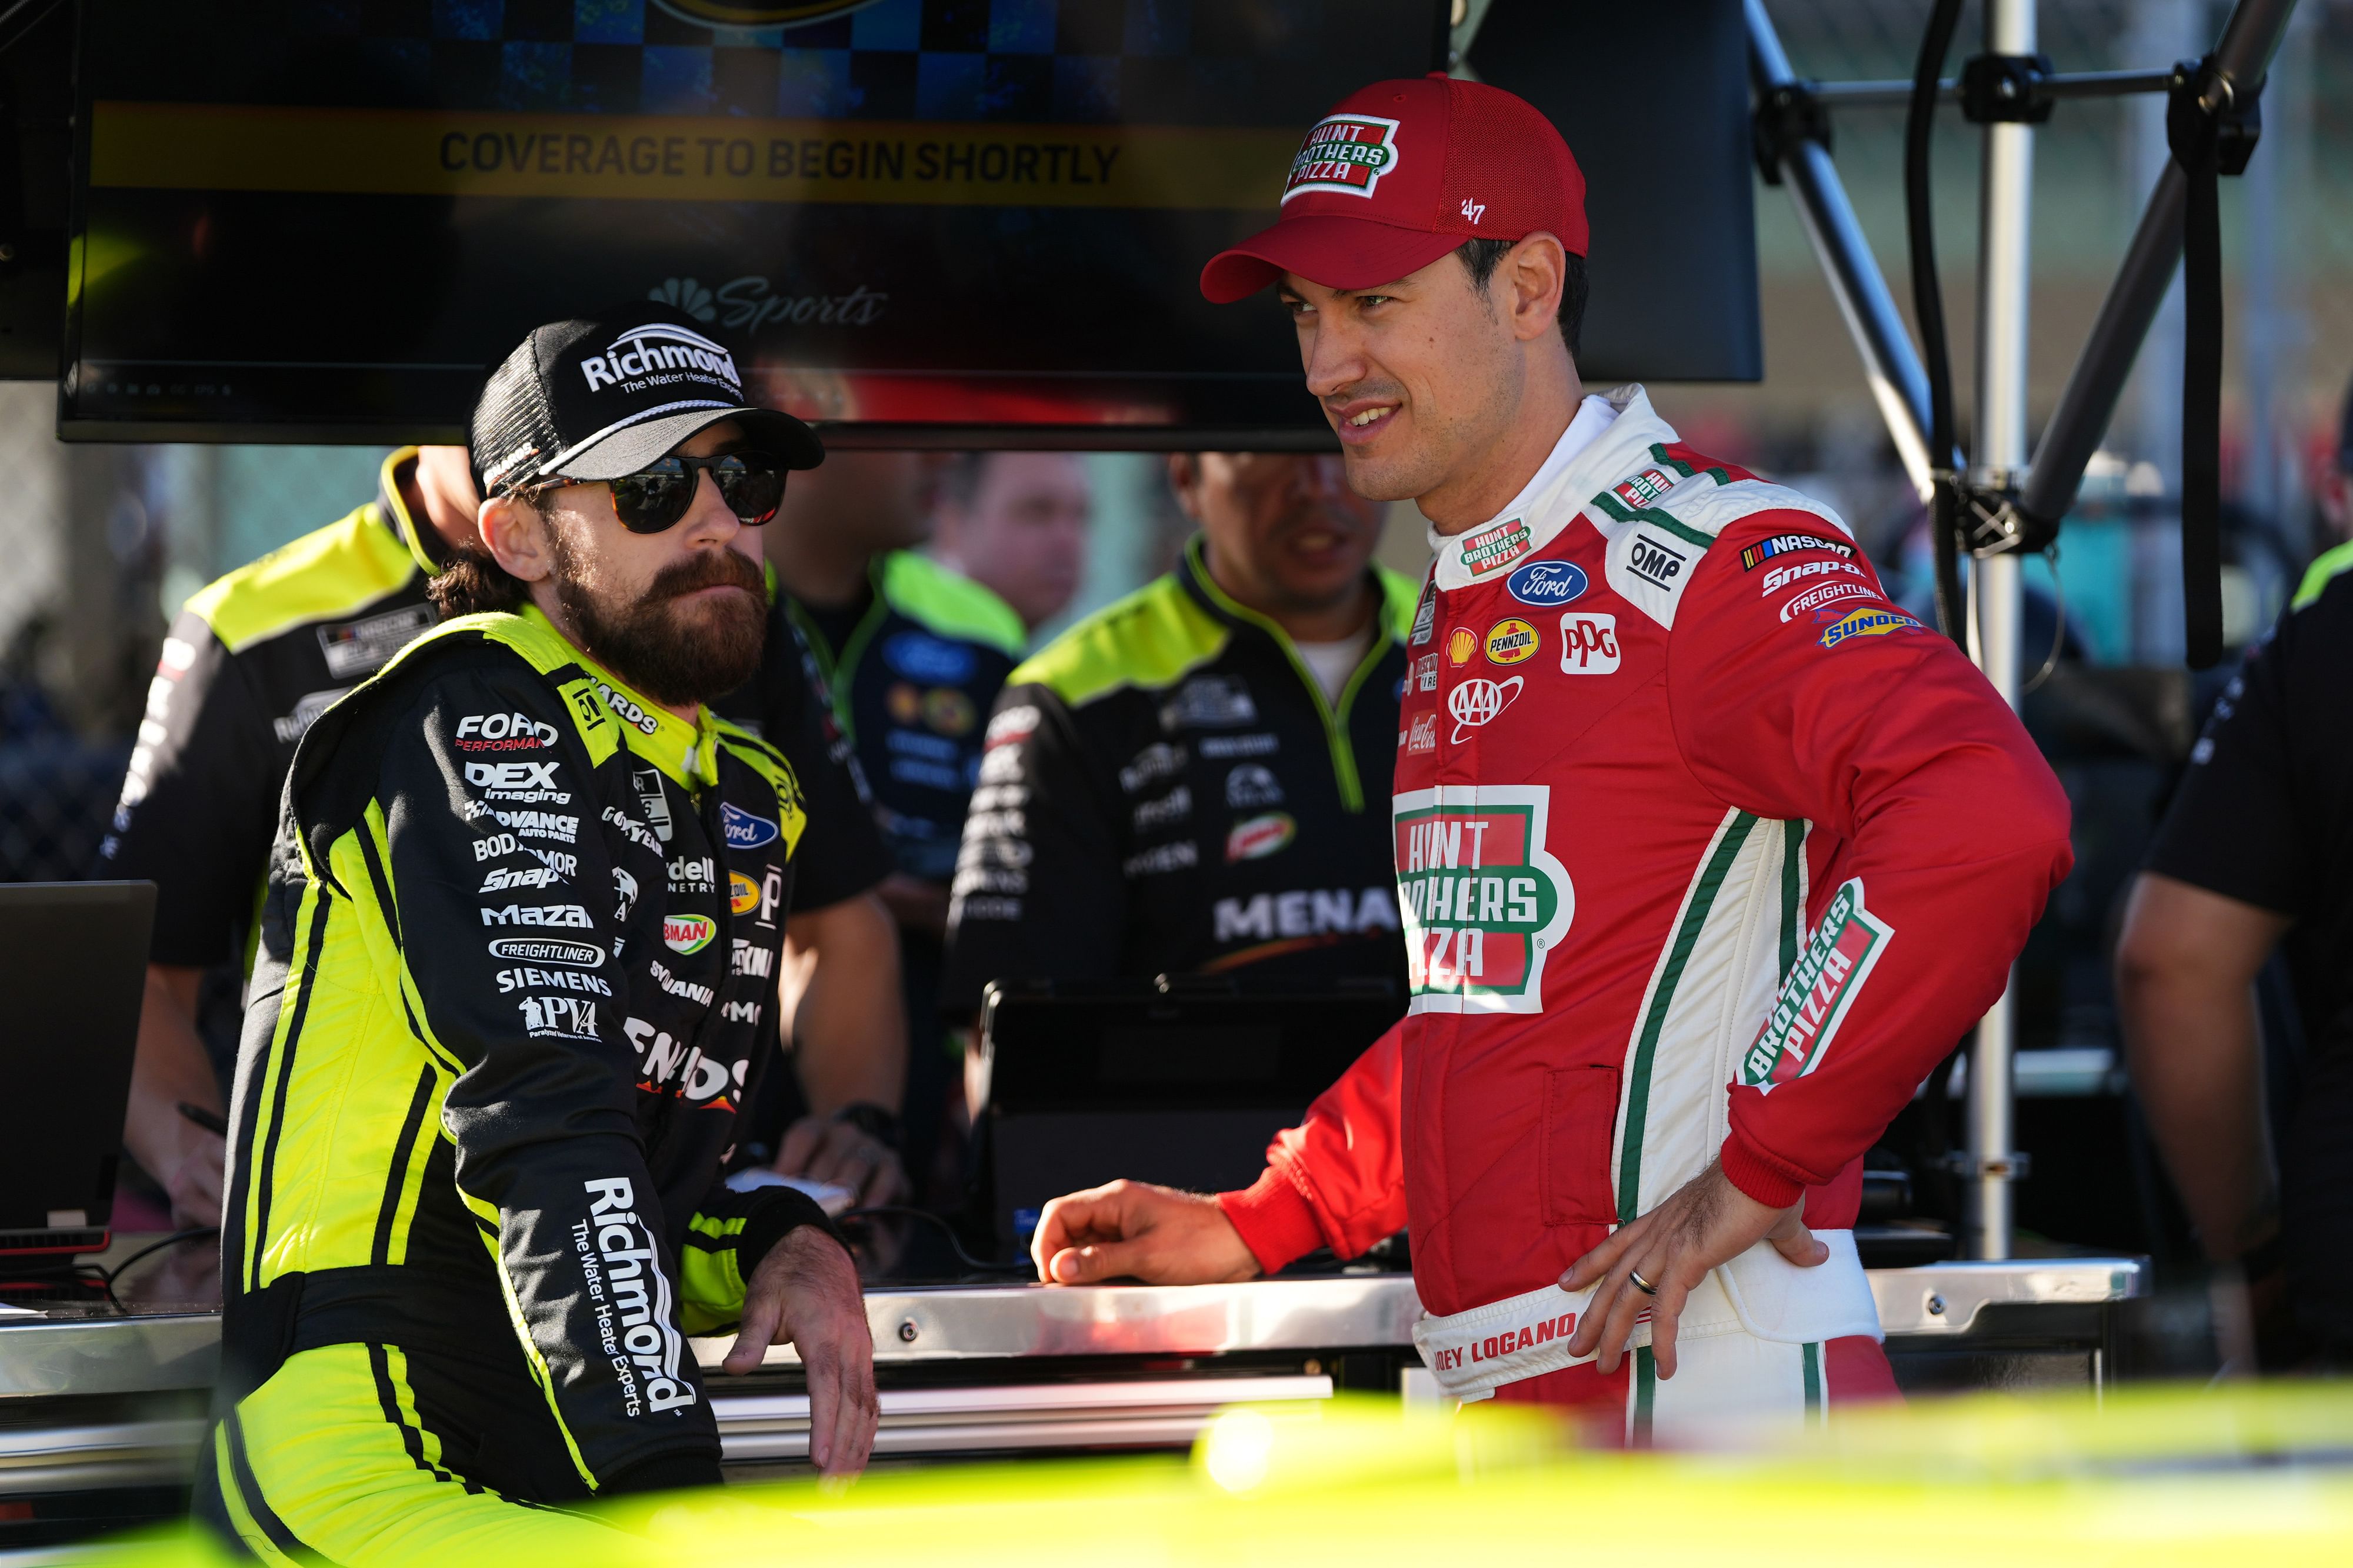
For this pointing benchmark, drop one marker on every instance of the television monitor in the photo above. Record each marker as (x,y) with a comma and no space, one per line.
(953,223)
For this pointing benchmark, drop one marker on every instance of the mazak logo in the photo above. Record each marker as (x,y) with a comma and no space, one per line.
(1643,488)
(1589,643)
(742,829)
(1824,595)
(688,934)
(1497,548)
(1864,624)
(630,1298)
(1344,153)
(1655,562)
(1763,550)
(1477,701)
(1545,584)
(1818,991)
(1485,903)
(660,349)
(539,915)
(1510,641)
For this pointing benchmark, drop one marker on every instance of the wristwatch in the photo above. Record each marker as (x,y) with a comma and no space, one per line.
(872,1120)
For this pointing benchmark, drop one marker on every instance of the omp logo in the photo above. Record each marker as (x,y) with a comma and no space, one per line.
(688,934)
(1819,988)
(1476,702)
(546,950)
(1346,154)
(1589,643)
(1497,548)
(630,1297)
(511,775)
(1485,901)
(1656,562)
(539,915)
(503,733)
(651,350)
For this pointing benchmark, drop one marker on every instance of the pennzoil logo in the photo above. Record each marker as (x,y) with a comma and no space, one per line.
(1346,153)
(1510,641)
(760,13)
(1483,901)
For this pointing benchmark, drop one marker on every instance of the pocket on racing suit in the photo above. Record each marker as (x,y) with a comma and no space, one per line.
(1580,1119)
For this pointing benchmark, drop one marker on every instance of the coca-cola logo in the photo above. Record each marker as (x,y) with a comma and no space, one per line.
(1478,700)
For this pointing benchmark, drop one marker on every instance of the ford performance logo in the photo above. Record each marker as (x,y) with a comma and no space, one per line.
(1547,583)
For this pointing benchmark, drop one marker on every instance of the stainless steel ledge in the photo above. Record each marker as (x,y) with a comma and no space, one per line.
(1944,1299)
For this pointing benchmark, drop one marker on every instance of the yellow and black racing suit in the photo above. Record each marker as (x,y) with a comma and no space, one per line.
(520,932)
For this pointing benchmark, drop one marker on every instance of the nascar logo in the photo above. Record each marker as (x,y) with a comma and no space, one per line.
(1763,550)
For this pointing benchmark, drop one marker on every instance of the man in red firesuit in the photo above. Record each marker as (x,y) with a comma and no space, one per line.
(1706,853)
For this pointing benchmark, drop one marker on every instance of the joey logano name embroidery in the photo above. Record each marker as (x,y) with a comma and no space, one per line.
(1819,988)
(1483,900)
(1781,577)
(1763,550)
(571,915)
(1494,1347)
(503,733)
(1823,594)
(667,1058)
(630,1295)
(1322,912)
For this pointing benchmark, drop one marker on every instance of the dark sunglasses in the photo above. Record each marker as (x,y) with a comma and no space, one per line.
(657,495)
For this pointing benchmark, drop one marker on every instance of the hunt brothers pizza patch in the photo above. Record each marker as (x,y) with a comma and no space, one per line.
(1344,153)
(1484,903)
(1819,989)
(1643,488)
(1497,548)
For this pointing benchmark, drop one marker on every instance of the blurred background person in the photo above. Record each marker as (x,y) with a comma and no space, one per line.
(1016,523)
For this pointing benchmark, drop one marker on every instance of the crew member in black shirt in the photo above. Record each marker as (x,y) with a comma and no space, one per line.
(2256,853)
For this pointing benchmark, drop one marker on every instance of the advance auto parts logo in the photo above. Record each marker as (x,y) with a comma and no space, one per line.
(1819,989)
(1484,903)
(1347,154)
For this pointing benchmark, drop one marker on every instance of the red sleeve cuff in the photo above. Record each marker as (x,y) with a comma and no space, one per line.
(1759,1174)
(1273,1219)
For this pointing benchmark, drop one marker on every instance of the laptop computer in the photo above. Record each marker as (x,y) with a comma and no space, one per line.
(1180,1081)
(73,962)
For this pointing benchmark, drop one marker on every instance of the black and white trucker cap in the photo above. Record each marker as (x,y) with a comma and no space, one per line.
(602,398)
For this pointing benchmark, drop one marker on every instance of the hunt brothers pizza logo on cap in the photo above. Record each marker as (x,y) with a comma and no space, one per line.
(1484,902)
(1343,153)
(1819,988)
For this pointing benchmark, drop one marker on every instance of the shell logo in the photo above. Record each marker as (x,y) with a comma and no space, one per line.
(1461,644)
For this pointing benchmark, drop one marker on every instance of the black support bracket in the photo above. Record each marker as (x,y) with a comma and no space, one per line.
(1786,115)
(2006,88)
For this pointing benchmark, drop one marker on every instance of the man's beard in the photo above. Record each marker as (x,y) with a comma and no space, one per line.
(656,649)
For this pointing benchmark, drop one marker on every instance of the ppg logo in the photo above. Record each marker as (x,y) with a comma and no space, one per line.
(1546,584)
(1477,701)
(1654,563)
(1589,643)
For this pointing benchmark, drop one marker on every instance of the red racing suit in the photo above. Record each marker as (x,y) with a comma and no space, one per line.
(1704,850)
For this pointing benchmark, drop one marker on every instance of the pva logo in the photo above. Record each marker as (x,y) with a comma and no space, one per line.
(1346,154)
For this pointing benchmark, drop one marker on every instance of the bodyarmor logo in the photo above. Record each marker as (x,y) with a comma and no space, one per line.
(630,1297)
(1477,701)
(1346,154)
(1483,901)
(1819,989)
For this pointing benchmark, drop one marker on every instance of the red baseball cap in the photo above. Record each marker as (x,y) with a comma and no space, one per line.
(1399,173)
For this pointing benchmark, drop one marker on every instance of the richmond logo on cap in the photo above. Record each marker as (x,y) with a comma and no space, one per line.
(1347,153)
(660,353)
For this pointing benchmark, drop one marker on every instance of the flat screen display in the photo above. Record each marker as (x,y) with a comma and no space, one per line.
(325,219)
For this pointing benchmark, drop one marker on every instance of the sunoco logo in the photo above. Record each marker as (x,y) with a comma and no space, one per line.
(1866,624)
(1346,153)
(1819,989)
(657,350)
(1484,902)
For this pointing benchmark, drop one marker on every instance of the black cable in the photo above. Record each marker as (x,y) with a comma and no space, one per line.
(955,1244)
(173,1239)
(1928,307)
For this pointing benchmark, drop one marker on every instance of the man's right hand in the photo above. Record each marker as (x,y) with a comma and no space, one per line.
(1136,1230)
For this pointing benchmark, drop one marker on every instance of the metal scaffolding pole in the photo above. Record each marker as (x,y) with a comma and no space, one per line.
(1890,364)
(2005,228)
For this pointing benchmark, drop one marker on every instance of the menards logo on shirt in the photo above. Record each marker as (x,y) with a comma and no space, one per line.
(1484,903)
(1819,990)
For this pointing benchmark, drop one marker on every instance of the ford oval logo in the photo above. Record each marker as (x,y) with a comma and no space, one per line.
(1547,583)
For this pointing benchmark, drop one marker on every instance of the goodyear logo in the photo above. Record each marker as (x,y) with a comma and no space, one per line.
(1512,640)
(1867,624)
